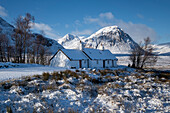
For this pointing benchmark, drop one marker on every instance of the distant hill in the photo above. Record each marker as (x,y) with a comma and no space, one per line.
(8,29)
(166,44)
(162,49)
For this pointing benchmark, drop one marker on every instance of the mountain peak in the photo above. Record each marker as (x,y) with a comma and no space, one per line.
(113,38)
(68,38)
(69,41)
(110,31)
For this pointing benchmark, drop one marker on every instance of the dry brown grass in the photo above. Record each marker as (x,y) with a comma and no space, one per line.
(71,110)
(65,80)
(45,76)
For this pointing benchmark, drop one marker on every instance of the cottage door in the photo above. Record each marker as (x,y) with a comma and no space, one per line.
(80,65)
(103,63)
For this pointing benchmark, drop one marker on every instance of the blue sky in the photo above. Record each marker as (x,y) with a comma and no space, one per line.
(139,18)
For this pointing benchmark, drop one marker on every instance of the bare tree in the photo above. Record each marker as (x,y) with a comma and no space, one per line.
(149,58)
(133,58)
(1,48)
(143,56)
(10,52)
(39,52)
(5,48)
(22,36)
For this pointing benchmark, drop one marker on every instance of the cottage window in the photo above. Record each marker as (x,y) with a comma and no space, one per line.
(97,61)
(84,61)
(108,62)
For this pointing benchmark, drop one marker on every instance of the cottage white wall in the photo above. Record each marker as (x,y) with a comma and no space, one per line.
(112,63)
(107,64)
(84,64)
(94,64)
(60,60)
(115,63)
(74,64)
(77,65)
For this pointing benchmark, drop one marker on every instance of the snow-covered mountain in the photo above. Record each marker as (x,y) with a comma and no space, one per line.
(8,29)
(162,49)
(165,44)
(70,41)
(112,38)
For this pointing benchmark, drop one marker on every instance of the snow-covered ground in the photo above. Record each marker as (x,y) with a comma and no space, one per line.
(14,70)
(162,48)
(122,91)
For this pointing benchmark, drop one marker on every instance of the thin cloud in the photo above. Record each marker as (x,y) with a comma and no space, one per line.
(103,19)
(83,32)
(46,29)
(66,26)
(41,26)
(91,20)
(77,22)
(100,21)
(52,35)
(140,16)
(107,15)
(3,12)
(138,31)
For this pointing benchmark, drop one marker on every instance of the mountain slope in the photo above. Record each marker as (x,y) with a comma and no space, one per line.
(165,44)
(8,29)
(49,43)
(162,49)
(70,41)
(112,38)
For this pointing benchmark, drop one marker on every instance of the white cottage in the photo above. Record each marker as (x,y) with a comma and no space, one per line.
(70,58)
(83,58)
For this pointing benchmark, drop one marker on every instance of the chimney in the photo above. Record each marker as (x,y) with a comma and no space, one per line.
(102,47)
(81,46)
